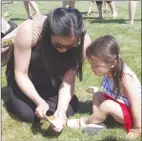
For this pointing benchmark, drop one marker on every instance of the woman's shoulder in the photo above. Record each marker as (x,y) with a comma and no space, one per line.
(31,29)
(25,26)
(39,18)
(24,34)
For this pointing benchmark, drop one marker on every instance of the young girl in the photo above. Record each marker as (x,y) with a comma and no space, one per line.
(121,96)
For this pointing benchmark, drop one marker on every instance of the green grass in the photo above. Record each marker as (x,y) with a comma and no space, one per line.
(129,38)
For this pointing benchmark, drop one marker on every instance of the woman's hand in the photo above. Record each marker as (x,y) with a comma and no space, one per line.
(42,109)
(60,121)
(134,133)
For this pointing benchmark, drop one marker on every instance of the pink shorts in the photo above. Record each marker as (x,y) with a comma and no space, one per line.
(126,113)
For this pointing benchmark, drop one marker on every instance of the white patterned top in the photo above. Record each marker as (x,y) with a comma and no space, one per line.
(107,86)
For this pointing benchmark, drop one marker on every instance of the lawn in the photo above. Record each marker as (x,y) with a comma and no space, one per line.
(129,38)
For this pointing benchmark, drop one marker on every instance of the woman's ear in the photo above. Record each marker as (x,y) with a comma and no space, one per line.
(114,64)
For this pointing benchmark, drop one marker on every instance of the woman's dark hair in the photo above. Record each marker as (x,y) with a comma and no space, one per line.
(108,50)
(62,22)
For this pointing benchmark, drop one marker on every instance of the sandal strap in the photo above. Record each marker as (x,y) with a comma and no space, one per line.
(82,122)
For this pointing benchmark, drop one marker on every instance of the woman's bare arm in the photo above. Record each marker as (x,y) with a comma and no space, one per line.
(22,56)
(66,90)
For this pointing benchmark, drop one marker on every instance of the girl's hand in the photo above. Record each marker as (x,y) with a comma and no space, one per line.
(59,122)
(134,133)
(42,109)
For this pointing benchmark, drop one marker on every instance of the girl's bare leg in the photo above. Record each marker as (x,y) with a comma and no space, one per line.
(102,108)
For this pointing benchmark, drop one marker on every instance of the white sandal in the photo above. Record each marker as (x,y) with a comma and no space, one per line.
(94,129)
(76,123)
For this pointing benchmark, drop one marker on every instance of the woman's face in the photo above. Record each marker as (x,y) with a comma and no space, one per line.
(62,44)
(99,67)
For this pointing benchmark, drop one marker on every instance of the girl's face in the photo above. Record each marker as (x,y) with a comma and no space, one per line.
(62,44)
(99,67)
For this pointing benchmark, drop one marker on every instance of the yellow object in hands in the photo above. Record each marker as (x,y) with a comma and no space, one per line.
(7,42)
(51,117)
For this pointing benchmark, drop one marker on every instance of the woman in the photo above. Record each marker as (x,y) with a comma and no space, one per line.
(33,5)
(111,4)
(132,10)
(70,3)
(48,53)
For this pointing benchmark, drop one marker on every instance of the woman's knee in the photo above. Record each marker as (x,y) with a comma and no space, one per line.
(25,114)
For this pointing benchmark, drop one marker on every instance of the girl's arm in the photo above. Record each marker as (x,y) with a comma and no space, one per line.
(135,100)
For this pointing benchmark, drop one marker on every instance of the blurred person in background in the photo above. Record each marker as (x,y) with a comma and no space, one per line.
(69,3)
(132,10)
(34,6)
(111,4)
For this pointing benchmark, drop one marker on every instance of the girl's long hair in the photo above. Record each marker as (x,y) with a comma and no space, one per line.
(62,22)
(108,50)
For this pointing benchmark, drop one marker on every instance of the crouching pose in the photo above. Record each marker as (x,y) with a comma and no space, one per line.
(121,96)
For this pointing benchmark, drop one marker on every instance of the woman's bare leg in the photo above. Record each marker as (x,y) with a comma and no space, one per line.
(113,9)
(90,8)
(34,6)
(132,10)
(26,4)
(69,3)
(100,6)
(105,7)
(72,3)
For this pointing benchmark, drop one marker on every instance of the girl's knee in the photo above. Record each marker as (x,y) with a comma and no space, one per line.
(98,96)
(107,106)
(108,103)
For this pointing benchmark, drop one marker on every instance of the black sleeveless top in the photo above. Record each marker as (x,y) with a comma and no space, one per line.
(39,75)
